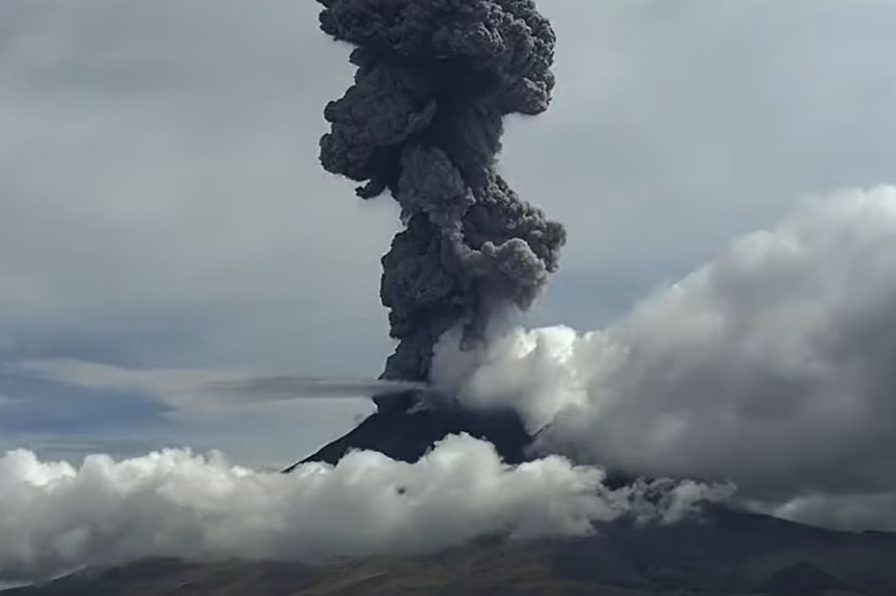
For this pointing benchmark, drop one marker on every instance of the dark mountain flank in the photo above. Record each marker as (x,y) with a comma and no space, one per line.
(407,435)
(723,553)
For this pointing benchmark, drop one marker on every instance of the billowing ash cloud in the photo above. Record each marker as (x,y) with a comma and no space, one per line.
(177,504)
(423,120)
(771,366)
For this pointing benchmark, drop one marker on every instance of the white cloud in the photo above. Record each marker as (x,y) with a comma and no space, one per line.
(175,503)
(770,367)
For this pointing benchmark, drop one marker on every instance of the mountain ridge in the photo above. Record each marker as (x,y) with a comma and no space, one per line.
(721,552)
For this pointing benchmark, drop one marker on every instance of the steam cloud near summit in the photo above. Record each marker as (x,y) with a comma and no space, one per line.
(770,367)
(423,120)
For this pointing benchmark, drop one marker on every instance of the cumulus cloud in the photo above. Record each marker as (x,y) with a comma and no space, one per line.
(770,367)
(176,503)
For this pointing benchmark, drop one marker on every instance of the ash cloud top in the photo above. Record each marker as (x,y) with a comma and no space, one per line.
(424,120)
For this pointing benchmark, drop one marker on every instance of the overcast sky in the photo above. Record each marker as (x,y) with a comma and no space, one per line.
(161,205)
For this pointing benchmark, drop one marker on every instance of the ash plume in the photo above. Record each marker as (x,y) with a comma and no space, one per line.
(423,120)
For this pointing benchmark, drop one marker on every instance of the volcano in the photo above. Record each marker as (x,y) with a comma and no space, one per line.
(407,434)
(423,122)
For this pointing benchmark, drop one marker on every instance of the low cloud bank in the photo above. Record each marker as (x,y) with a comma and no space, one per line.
(771,367)
(178,504)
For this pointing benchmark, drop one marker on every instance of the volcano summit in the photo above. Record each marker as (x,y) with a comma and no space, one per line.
(423,121)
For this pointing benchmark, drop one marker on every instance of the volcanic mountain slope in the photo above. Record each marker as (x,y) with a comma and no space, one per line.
(723,553)
(407,434)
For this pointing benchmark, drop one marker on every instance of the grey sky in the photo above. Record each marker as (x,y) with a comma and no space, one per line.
(161,204)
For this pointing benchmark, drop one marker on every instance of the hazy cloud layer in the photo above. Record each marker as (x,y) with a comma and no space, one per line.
(197,389)
(770,367)
(175,503)
(158,165)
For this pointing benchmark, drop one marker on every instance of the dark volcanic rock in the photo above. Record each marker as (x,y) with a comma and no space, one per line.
(726,551)
(406,435)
